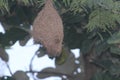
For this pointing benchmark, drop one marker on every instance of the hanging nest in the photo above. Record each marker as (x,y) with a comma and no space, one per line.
(48,29)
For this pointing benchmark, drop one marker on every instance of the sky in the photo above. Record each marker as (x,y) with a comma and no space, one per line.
(19,59)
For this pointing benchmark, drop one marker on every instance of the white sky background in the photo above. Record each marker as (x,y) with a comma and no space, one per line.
(19,59)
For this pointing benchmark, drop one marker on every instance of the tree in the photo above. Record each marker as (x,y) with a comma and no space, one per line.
(91,25)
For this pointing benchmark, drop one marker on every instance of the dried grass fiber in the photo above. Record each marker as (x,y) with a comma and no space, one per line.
(48,29)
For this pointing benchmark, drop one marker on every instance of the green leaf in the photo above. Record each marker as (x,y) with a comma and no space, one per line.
(76,6)
(41,52)
(25,40)
(17,17)
(47,72)
(101,19)
(115,50)
(97,76)
(87,46)
(4,6)
(106,64)
(67,68)
(4,56)
(69,18)
(12,35)
(62,58)
(26,2)
(66,2)
(115,69)
(1,36)
(101,76)
(73,39)
(69,65)
(20,75)
(116,6)
(101,47)
(114,39)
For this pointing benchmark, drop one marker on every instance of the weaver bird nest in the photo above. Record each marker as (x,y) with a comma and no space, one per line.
(48,29)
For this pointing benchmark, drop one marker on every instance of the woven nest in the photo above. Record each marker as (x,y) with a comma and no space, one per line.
(48,29)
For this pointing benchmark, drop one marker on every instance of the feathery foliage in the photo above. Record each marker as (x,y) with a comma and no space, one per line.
(4,6)
(84,20)
(102,19)
(103,14)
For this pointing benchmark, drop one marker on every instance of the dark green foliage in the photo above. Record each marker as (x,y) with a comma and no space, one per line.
(105,64)
(115,50)
(115,38)
(88,24)
(19,15)
(12,35)
(86,49)
(101,46)
(104,76)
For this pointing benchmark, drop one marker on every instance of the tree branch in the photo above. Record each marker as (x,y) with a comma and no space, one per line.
(30,65)
(9,68)
(54,73)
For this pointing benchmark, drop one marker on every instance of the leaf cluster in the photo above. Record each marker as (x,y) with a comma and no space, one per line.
(88,25)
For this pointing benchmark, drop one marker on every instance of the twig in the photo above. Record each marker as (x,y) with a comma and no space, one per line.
(54,73)
(30,66)
(45,72)
(9,68)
